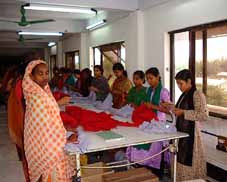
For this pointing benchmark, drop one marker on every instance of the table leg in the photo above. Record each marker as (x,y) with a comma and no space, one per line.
(78,168)
(175,160)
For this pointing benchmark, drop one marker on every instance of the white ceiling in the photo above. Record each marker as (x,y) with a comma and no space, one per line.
(64,22)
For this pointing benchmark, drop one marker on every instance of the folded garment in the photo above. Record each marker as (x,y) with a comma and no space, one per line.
(125,112)
(76,98)
(106,104)
(158,127)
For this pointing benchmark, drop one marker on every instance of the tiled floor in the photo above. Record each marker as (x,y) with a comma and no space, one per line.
(10,167)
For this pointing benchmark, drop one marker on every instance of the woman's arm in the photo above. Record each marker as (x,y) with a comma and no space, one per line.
(200,112)
(164,97)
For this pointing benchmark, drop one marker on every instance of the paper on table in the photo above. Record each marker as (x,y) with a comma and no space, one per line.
(110,136)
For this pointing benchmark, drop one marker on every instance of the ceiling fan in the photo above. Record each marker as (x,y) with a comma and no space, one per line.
(22,39)
(24,22)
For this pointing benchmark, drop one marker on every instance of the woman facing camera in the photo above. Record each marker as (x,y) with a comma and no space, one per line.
(100,84)
(157,93)
(121,86)
(44,133)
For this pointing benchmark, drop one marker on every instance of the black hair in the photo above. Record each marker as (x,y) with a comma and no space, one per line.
(185,75)
(76,71)
(153,71)
(140,74)
(118,66)
(99,67)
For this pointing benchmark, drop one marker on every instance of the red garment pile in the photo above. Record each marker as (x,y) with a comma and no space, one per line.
(139,115)
(89,120)
(58,95)
(92,121)
(68,120)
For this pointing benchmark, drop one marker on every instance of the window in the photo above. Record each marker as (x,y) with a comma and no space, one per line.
(72,60)
(181,52)
(107,55)
(202,49)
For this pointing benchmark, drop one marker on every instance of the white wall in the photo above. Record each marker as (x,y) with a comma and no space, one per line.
(146,32)
(175,15)
(126,30)
(73,43)
(53,50)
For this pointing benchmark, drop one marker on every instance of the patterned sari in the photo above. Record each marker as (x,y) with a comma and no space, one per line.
(44,133)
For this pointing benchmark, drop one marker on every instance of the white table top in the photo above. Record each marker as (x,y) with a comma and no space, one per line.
(132,136)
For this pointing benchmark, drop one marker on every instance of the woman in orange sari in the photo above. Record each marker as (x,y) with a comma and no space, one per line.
(44,133)
(16,123)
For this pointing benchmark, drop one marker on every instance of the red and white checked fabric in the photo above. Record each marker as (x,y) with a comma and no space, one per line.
(44,133)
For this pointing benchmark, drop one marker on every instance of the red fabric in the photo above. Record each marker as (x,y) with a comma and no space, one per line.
(139,115)
(68,120)
(143,113)
(19,90)
(59,95)
(92,121)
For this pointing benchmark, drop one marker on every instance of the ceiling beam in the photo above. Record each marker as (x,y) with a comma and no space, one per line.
(127,5)
(145,4)
(21,45)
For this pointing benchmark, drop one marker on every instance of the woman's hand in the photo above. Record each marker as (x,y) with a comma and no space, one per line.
(64,101)
(178,112)
(167,105)
(92,88)
(133,105)
(73,138)
(150,106)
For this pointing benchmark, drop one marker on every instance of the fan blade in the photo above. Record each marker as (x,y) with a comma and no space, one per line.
(9,21)
(40,21)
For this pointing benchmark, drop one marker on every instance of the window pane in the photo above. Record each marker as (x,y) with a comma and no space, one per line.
(97,57)
(199,60)
(77,60)
(181,53)
(217,66)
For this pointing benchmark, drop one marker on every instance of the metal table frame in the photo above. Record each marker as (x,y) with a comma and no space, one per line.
(173,150)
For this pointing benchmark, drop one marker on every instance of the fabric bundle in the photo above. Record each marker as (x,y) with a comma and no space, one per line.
(92,121)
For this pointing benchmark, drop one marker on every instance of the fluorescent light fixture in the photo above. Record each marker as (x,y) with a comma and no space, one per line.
(41,33)
(59,8)
(96,25)
(50,44)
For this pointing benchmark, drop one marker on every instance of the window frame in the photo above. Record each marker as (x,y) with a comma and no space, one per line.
(100,47)
(192,38)
(73,53)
